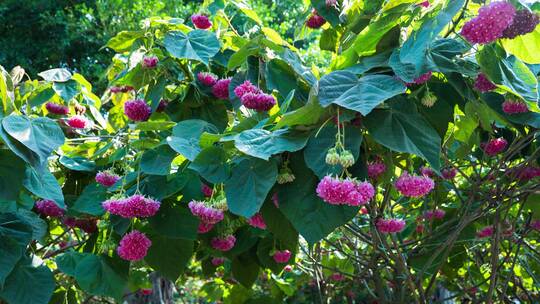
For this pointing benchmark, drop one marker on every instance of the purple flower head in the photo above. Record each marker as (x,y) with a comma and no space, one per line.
(206,214)
(259,102)
(150,62)
(344,192)
(315,20)
(201,21)
(246,87)
(134,206)
(282,256)
(376,169)
(494,146)
(221,88)
(207,79)
(525,21)
(482,84)
(134,246)
(257,221)
(390,225)
(106,178)
(414,185)
(57,109)
(511,107)
(223,243)
(137,110)
(78,122)
(490,23)
(48,208)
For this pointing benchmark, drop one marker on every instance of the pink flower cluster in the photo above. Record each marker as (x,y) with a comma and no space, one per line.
(163,104)
(337,277)
(204,227)
(48,208)
(424,4)
(253,98)
(376,169)
(421,79)
(514,107)
(257,221)
(485,232)
(434,214)
(449,173)
(414,185)
(482,84)
(78,122)
(207,79)
(201,21)
(221,88)
(134,246)
(86,225)
(137,110)
(206,190)
(57,109)
(282,256)
(427,171)
(524,22)
(524,173)
(344,192)
(150,62)
(390,225)
(106,178)
(490,23)
(223,243)
(218,261)
(134,206)
(494,146)
(207,215)
(315,20)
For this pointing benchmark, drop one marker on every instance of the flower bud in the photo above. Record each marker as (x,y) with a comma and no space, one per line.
(346,159)
(332,157)
(429,99)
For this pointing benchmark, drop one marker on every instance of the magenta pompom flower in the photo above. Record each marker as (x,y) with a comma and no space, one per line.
(414,185)
(525,21)
(421,79)
(78,122)
(201,21)
(123,89)
(57,109)
(134,246)
(434,214)
(337,277)
(427,171)
(207,79)
(163,104)
(86,225)
(524,173)
(257,221)
(482,84)
(150,62)
(137,110)
(535,225)
(514,107)
(376,169)
(315,20)
(490,23)
(134,206)
(282,256)
(223,243)
(344,192)
(48,208)
(494,146)
(218,261)
(206,214)
(246,87)
(106,178)
(424,4)
(204,227)
(221,88)
(485,232)
(259,102)
(390,225)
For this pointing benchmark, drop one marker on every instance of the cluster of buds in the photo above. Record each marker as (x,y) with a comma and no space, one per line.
(429,99)
(285,176)
(344,158)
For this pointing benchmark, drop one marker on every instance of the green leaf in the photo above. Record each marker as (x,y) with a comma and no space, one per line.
(495,101)
(155,92)
(123,41)
(67,90)
(39,226)
(175,222)
(28,285)
(525,47)
(402,129)
(157,161)
(169,256)
(41,135)
(511,73)
(89,201)
(56,75)
(42,183)
(330,13)
(319,144)
(280,226)
(198,45)
(250,182)
(78,163)
(263,144)
(11,254)
(212,165)
(41,97)
(97,275)
(249,12)
(362,95)
(310,216)
(306,115)
(186,135)
(415,48)
(15,234)
(245,269)
(12,175)
(155,125)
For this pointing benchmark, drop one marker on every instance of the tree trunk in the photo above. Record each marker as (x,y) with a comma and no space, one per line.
(162,292)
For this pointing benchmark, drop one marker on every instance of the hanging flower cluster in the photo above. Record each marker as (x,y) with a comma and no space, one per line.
(78,122)
(137,110)
(490,24)
(134,206)
(350,192)
(376,169)
(514,107)
(414,185)
(134,246)
(434,214)
(421,79)
(494,146)
(282,256)
(390,225)
(257,221)
(86,225)
(253,98)
(207,79)
(106,178)
(221,88)
(315,20)
(57,109)
(524,22)
(223,243)
(482,84)
(48,207)
(201,21)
